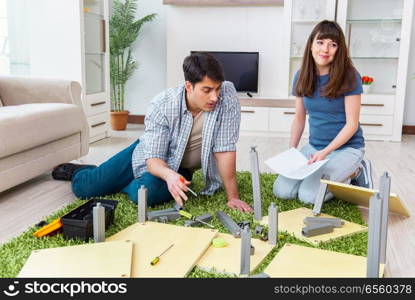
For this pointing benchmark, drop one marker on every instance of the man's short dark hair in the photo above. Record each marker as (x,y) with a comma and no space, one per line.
(200,64)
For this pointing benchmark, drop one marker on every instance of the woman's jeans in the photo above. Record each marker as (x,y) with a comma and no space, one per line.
(116,175)
(342,163)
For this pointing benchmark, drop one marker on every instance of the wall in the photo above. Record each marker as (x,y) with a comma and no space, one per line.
(228,28)
(150,52)
(55,51)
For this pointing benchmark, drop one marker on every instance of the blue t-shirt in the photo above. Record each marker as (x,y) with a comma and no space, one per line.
(327,117)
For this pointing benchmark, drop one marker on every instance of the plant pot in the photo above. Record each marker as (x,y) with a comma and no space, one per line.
(119,119)
(367,88)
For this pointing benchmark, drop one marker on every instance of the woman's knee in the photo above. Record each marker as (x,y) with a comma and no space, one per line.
(307,195)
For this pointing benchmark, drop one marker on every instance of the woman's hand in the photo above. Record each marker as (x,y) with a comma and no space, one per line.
(319,155)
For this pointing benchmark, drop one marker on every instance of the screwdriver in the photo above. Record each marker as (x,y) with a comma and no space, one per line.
(193,218)
(182,180)
(157,258)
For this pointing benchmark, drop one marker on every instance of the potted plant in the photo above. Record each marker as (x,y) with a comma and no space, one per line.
(367,84)
(124,30)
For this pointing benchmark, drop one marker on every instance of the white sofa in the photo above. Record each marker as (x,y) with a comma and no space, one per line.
(42,124)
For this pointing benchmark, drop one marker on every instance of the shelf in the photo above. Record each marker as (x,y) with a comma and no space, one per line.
(93,14)
(374,20)
(296,57)
(267,102)
(372,57)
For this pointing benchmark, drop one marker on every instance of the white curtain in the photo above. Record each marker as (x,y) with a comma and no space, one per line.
(4,48)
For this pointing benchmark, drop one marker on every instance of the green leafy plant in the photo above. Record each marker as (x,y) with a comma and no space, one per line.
(124,30)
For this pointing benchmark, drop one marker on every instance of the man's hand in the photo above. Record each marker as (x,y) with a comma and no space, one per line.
(319,155)
(177,187)
(240,205)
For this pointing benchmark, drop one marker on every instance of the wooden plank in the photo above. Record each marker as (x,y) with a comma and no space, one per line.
(306,262)
(224,2)
(360,196)
(136,119)
(408,129)
(227,260)
(151,239)
(292,222)
(89,260)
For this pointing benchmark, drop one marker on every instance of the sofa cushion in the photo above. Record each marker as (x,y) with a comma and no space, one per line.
(26,126)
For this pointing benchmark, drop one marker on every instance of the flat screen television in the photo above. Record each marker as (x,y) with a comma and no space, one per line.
(241,68)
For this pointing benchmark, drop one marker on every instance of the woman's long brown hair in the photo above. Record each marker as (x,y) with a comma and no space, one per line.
(342,74)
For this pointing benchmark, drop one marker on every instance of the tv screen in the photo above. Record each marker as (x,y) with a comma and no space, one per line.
(241,68)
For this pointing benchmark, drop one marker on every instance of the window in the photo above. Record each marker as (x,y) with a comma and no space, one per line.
(4,42)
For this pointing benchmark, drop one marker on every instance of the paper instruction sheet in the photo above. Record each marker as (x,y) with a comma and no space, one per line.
(293,164)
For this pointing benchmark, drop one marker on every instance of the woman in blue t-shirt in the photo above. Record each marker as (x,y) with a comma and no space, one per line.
(328,88)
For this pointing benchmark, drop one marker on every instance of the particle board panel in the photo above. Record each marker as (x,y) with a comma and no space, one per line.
(151,239)
(227,259)
(89,260)
(306,262)
(292,222)
(361,196)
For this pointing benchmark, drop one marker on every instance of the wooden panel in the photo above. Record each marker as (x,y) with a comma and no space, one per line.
(299,261)
(292,222)
(228,260)
(224,2)
(89,260)
(360,196)
(408,129)
(260,102)
(151,239)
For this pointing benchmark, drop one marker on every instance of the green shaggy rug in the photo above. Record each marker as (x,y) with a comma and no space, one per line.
(14,253)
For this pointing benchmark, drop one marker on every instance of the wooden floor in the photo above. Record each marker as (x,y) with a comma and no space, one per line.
(26,204)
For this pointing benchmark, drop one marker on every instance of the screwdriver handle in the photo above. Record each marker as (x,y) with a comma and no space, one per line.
(186,215)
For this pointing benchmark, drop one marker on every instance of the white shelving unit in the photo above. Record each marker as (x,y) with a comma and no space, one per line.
(69,39)
(96,66)
(378,34)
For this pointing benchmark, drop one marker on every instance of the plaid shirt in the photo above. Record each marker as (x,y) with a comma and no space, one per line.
(167,129)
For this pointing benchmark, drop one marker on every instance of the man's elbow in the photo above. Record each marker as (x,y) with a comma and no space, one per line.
(151,163)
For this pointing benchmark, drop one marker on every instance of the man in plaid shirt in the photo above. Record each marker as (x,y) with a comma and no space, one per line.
(190,127)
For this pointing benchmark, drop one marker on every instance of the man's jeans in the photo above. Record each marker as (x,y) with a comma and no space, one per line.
(116,175)
(342,163)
